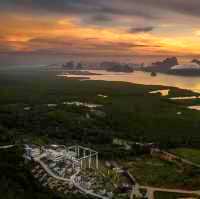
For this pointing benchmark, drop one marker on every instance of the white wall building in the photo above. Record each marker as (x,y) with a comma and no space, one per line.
(32,151)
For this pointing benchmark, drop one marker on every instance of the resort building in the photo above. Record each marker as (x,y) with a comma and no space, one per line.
(72,158)
(32,151)
(55,153)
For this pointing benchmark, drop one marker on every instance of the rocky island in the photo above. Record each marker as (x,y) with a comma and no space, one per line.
(116,67)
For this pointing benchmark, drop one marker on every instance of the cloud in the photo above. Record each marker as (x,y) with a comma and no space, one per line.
(141,29)
(80,27)
(96,11)
(143,8)
(186,66)
(98,20)
(178,6)
(51,41)
(71,46)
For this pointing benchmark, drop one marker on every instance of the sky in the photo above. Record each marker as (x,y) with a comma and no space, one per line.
(49,31)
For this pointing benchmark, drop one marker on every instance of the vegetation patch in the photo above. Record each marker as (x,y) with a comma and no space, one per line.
(167,195)
(152,171)
(190,154)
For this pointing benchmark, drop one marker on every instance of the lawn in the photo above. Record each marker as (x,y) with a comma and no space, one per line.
(152,171)
(189,154)
(166,195)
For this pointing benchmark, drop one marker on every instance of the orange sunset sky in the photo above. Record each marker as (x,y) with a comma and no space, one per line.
(133,30)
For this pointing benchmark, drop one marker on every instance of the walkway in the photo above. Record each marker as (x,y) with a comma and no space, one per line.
(6,147)
(171,190)
(151,191)
(182,159)
(44,166)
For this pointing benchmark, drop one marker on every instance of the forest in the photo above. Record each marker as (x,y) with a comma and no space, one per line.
(34,109)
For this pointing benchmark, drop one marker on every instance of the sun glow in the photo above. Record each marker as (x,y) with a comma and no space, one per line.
(28,34)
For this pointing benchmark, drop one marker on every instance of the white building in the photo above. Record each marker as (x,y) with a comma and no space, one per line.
(32,151)
(55,155)
(74,157)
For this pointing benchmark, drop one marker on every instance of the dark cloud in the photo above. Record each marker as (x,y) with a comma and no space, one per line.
(142,8)
(190,7)
(100,19)
(50,41)
(120,46)
(141,29)
(58,46)
(82,44)
(138,14)
(92,11)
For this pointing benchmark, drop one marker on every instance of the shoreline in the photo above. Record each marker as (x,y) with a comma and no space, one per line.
(140,78)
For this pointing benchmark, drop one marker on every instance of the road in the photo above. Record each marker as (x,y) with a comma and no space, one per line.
(6,147)
(182,159)
(44,166)
(151,191)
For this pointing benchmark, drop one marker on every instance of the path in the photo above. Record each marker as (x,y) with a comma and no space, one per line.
(171,190)
(182,159)
(6,147)
(151,191)
(189,162)
(44,166)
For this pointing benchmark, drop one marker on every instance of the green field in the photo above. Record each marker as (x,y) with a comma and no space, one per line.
(189,154)
(152,171)
(165,195)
